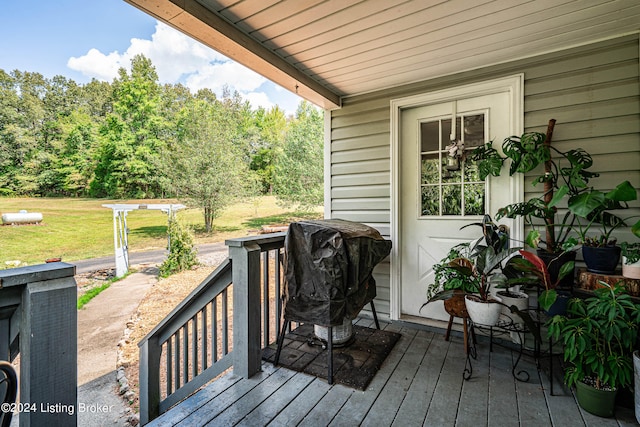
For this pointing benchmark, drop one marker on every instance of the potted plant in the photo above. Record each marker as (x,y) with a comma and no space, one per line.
(450,284)
(593,209)
(510,292)
(536,274)
(599,336)
(473,271)
(562,174)
(630,260)
(565,176)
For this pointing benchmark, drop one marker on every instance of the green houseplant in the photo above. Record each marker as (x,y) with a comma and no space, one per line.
(450,282)
(599,336)
(448,273)
(597,210)
(536,274)
(470,270)
(562,174)
(565,176)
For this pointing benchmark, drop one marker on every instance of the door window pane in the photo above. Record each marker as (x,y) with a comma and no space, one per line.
(451,196)
(449,182)
(474,199)
(430,200)
(474,131)
(430,169)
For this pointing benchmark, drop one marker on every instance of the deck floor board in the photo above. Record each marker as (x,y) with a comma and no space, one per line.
(502,402)
(358,405)
(384,409)
(413,409)
(420,383)
(304,402)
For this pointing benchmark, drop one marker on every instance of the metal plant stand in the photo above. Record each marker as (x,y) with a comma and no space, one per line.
(511,327)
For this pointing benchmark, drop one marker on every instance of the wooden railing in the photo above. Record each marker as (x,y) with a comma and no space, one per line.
(38,320)
(190,347)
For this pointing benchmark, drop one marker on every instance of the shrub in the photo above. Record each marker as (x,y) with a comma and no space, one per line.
(182,254)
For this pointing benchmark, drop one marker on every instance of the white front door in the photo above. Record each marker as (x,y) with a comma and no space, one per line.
(438,194)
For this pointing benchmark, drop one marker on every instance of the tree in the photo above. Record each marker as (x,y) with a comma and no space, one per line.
(11,155)
(130,141)
(271,125)
(203,165)
(299,175)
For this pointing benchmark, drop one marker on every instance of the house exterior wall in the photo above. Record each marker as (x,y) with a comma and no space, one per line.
(592,91)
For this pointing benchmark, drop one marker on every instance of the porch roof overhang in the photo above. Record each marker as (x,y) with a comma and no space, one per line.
(325,50)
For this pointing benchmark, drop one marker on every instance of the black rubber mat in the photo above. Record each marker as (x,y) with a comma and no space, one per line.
(354,364)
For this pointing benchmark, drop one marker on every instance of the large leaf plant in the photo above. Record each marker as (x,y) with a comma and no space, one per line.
(565,176)
(562,174)
(599,335)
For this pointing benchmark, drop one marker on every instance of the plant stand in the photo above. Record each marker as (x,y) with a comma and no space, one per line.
(505,325)
(510,327)
(456,307)
(465,332)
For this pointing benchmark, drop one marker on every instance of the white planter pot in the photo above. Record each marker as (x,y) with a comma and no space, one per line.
(521,301)
(631,271)
(483,313)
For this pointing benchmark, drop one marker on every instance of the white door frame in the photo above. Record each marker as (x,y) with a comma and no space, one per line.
(514,85)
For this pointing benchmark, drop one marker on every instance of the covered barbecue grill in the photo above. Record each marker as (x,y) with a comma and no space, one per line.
(328,271)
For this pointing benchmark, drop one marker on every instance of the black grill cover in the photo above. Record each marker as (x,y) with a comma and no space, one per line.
(328,270)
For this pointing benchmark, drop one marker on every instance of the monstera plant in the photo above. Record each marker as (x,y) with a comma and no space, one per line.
(565,177)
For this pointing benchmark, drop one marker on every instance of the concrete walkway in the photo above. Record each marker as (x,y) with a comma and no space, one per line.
(101,324)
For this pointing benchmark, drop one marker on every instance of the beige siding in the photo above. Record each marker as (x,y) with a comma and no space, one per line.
(592,91)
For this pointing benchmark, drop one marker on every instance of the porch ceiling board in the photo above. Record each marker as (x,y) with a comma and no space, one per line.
(470,38)
(335,48)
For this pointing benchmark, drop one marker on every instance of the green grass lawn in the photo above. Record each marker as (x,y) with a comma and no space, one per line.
(74,229)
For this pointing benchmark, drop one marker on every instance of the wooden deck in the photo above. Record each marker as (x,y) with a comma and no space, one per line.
(420,383)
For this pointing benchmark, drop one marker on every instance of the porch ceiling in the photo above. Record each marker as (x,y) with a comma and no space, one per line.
(327,49)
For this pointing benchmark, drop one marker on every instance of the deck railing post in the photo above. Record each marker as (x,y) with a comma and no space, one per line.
(246,309)
(150,353)
(45,320)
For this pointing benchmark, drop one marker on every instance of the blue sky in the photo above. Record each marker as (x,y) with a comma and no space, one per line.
(85,39)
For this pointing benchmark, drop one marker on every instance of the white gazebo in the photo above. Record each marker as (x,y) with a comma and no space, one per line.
(120,230)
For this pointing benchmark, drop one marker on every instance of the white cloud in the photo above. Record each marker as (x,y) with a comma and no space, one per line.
(215,76)
(96,64)
(177,58)
(259,99)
